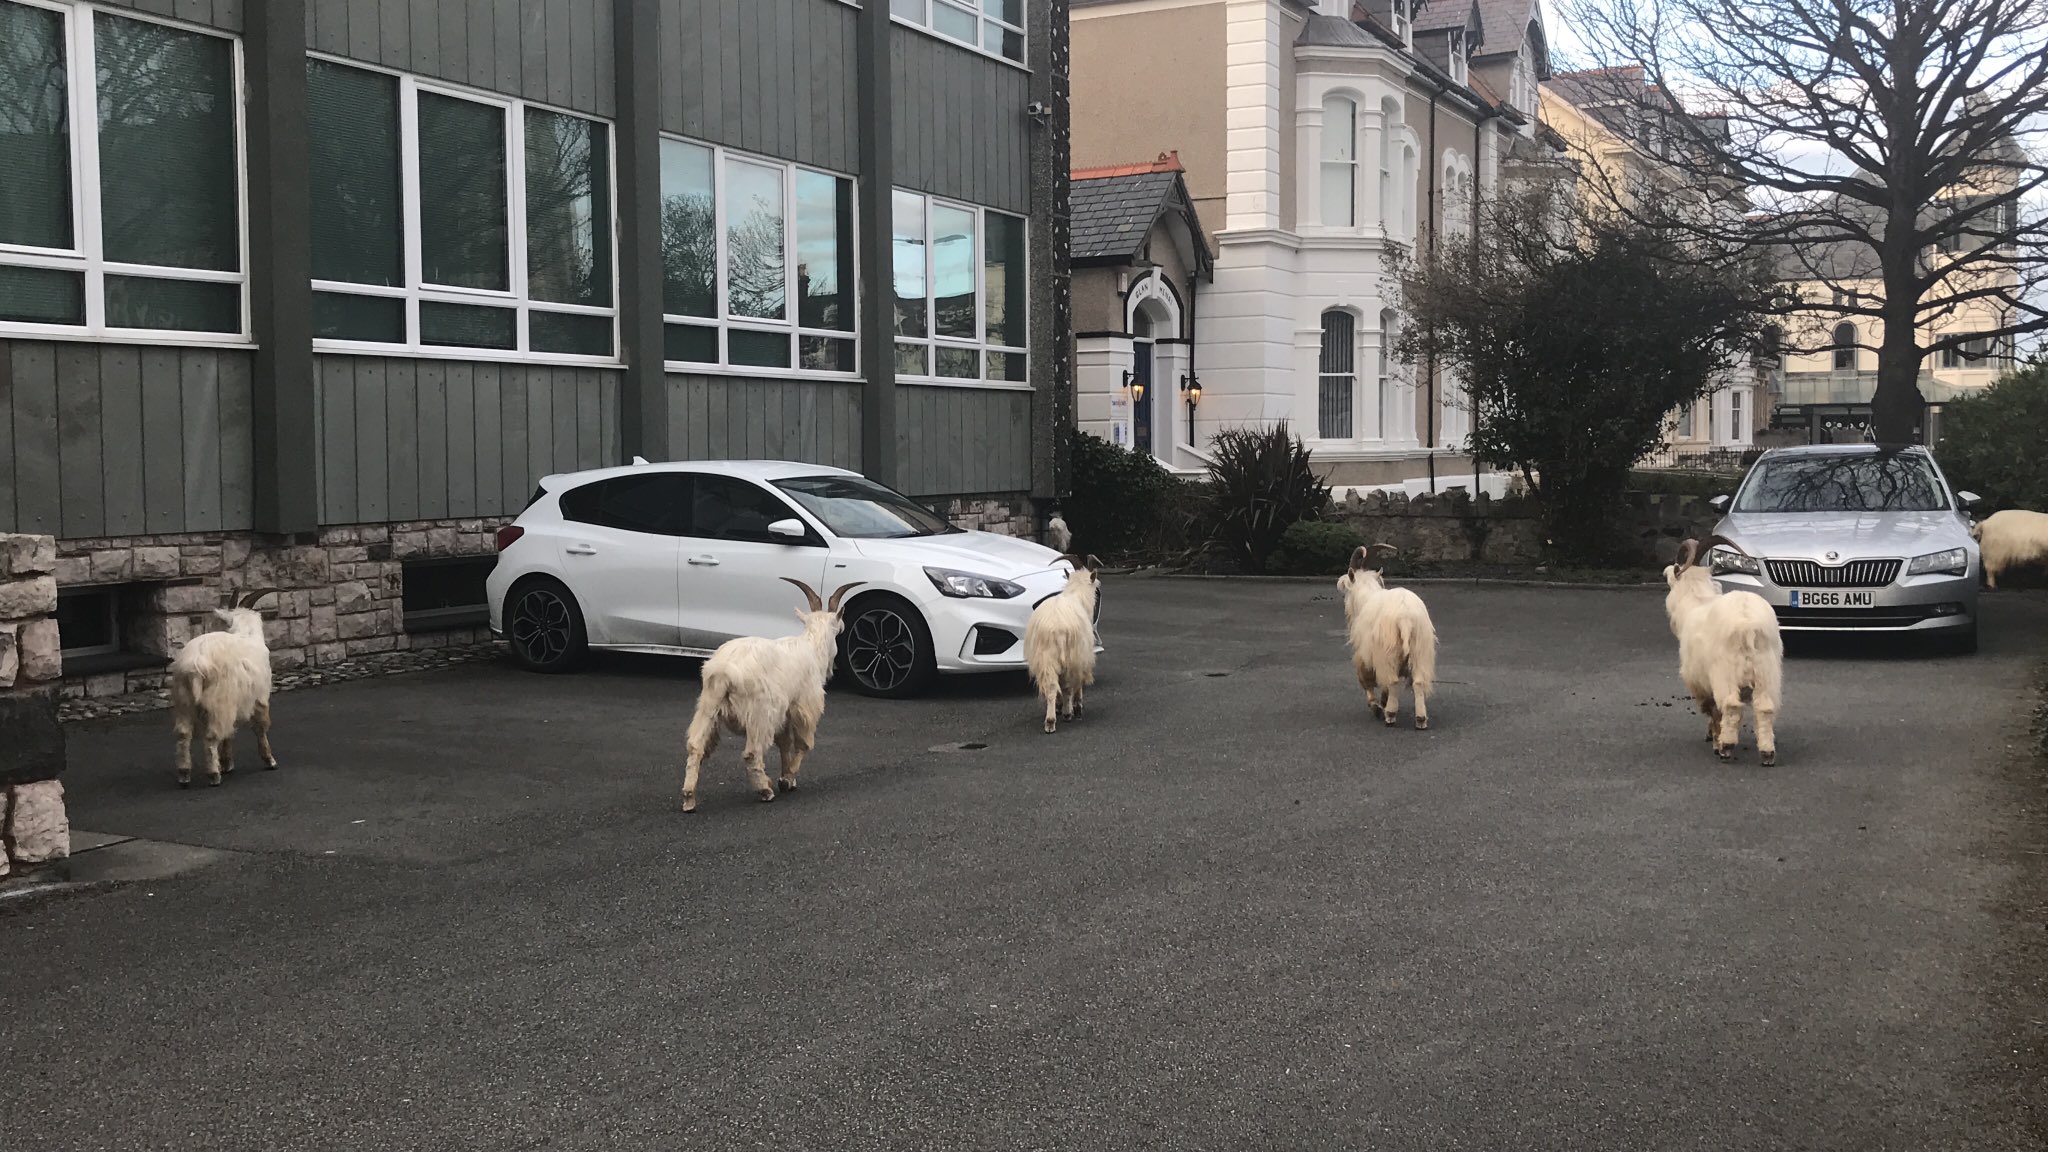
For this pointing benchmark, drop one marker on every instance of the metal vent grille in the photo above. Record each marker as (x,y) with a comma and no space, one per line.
(1854,574)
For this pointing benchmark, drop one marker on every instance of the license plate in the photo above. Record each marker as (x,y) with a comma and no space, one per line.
(1829,598)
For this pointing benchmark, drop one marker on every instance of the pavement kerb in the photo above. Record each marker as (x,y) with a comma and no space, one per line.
(1483,581)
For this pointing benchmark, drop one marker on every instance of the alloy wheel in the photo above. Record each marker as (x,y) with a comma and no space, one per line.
(541,626)
(881,649)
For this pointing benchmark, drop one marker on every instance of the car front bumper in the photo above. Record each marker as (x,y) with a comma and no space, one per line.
(977,634)
(1931,603)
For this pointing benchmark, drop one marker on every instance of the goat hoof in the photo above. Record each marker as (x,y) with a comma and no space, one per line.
(689,802)
(1725,754)
(767,795)
(785,785)
(1051,727)
(213,781)
(1768,759)
(1422,723)
(270,767)
(184,781)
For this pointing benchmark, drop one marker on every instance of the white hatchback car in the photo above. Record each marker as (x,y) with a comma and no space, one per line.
(681,557)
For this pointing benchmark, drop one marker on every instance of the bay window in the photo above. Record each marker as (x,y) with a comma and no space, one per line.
(121,203)
(960,291)
(757,262)
(1340,162)
(445,221)
(994,26)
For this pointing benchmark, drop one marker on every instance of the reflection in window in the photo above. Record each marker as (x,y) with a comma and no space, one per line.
(756,284)
(1006,294)
(959,276)
(35,132)
(907,248)
(568,210)
(824,251)
(168,190)
(463,215)
(953,252)
(358,227)
(689,231)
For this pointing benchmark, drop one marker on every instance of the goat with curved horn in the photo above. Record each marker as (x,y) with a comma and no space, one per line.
(810,594)
(249,599)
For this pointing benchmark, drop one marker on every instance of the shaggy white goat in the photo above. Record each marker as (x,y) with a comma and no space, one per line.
(767,692)
(1392,638)
(2011,539)
(220,680)
(1059,643)
(1729,650)
(1058,536)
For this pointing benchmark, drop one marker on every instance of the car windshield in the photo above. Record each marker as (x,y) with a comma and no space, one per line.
(860,509)
(1865,482)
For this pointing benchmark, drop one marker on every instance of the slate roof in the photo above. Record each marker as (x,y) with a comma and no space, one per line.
(1113,210)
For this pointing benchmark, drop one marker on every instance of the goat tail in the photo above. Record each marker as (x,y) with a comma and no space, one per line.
(711,707)
(1418,640)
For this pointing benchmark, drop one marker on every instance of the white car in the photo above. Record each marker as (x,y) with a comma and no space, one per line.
(680,557)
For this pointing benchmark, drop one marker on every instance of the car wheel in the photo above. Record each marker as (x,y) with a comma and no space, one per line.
(886,649)
(544,626)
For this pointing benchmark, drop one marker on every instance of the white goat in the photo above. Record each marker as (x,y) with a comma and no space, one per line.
(220,680)
(1058,536)
(1059,643)
(1729,650)
(767,692)
(1392,637)
(2011,539)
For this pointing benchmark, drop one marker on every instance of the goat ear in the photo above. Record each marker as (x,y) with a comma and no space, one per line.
(225,616)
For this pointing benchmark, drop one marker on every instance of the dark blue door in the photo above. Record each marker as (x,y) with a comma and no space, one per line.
(1141,404)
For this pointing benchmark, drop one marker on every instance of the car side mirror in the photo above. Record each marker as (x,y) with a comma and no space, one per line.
(1968,498)
(789,529)
(1720,502)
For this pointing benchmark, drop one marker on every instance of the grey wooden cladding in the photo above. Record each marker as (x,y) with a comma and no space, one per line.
(962,441)
(773,77)
(116,439)
(960,125)
(222,14)
(732,418)
(558,52)
(404,439)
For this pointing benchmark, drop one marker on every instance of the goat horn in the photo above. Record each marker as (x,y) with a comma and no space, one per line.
(817,605)
(839,595)
(1718,540)
(1687,549)
(249,601)
(1361,558)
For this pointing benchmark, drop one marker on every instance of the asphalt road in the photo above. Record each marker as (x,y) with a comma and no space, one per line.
(1223,911)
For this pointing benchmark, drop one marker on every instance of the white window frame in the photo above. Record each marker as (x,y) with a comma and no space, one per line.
(1344,374)
(982,346)
(1404,24)
(1459,70)
(983,20)
(724,322)
(415,291)
(1351,212)
(88,253)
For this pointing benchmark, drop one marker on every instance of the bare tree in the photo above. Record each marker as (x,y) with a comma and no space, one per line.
(1887,146)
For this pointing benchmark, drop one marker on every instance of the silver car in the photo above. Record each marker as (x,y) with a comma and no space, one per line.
(1846,537)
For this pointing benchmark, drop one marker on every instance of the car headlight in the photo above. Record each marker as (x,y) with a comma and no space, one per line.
(965,585)
(1953,562)
(1727,560)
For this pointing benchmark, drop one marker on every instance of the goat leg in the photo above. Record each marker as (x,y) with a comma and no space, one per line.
(261,722)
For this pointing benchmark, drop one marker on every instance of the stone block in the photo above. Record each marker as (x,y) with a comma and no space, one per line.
(37,827)
(353,596)
(287,659)
(321,627)
(74,570)
(328,655)
(186,598)
(201,562)
(323,597)
(303,567)
(106,684)
(42,651)
(443,542)
(158,563)
(373,533)
(358,625)
(112,564)
(371,645)
(349,554)
(471,526)
(35,596)
(25,554)
(10,654)
(34,747)
(234,552)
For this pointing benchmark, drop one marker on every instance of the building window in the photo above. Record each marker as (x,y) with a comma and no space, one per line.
(960,289)
(1390,335)
(1403,27)
(1457,56)
(1971,353)
(1337,376)
(1684,429)
(1845,347)
(446,220)
(992,26)
(127,220)
(1390,118)
(1737,433)
(446,593)
(89,621)
(1340,162)
(757,262)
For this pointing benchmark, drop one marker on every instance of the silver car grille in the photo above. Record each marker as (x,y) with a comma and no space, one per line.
(1854,574)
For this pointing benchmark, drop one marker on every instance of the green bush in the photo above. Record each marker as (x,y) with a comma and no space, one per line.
(1123,505)
(1260,484)
(1315,548)
(1996,442)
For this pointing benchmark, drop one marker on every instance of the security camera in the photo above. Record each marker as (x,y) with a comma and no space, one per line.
(1037,110)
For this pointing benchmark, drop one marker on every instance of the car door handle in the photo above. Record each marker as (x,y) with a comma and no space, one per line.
(704,561)
(580,550)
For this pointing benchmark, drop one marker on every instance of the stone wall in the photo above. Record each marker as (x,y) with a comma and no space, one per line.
(1458,529)
(340,591)
(33,828)
(1007,515)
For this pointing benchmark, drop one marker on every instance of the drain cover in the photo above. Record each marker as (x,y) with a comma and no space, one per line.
(961,746)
